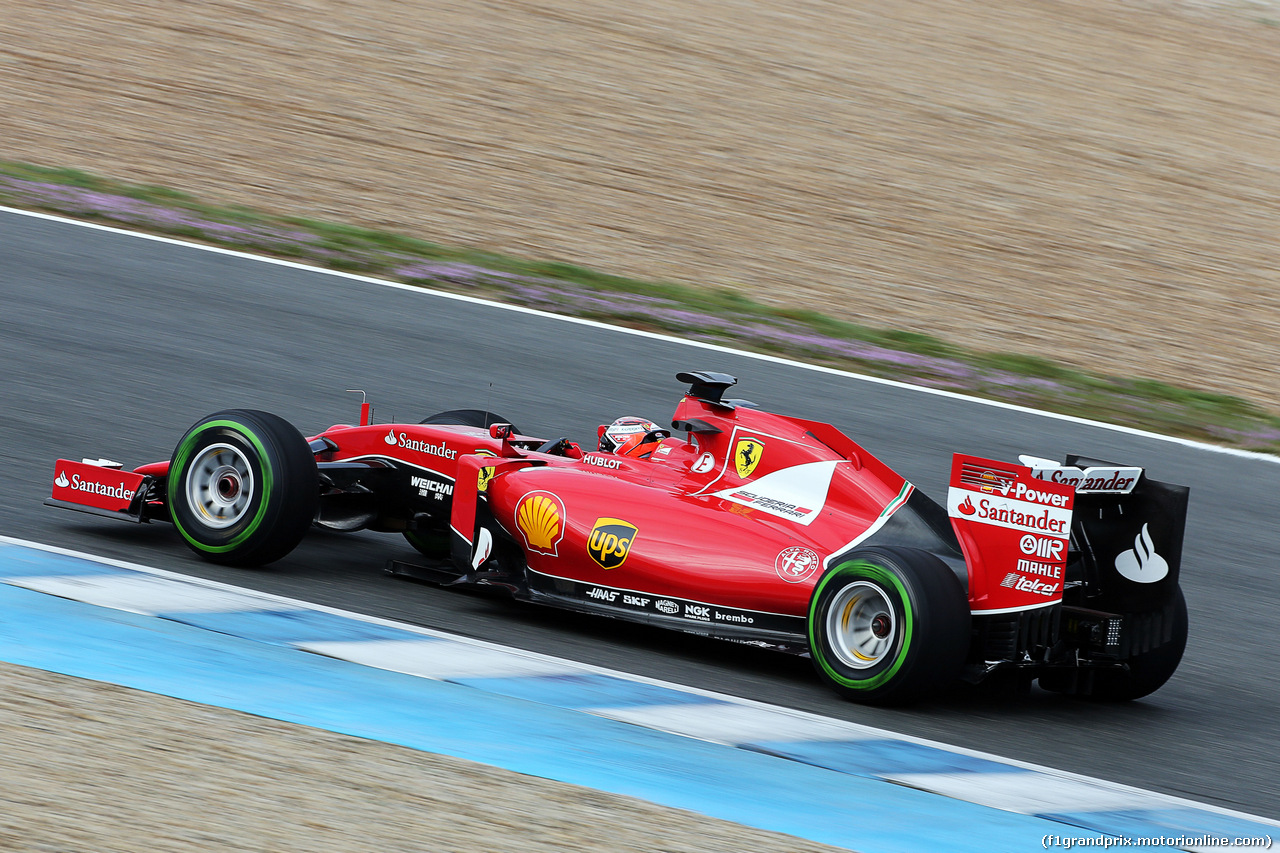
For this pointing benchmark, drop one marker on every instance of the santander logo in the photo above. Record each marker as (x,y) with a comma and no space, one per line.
(967,508)
(402,440)
(1142,564)
(79,484)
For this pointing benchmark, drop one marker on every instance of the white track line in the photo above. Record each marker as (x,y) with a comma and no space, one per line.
(772,359)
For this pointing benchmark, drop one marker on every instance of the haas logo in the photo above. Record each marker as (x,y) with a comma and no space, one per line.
(1142,564)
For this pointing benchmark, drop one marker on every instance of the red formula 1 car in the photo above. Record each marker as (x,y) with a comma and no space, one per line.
(751,526)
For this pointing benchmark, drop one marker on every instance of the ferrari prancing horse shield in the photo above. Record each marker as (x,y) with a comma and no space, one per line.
(746,455)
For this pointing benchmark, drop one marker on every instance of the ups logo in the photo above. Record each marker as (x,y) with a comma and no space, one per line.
(610,542)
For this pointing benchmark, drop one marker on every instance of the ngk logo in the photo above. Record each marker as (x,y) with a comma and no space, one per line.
(1044,548)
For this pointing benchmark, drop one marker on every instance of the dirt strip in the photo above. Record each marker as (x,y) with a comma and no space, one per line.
(1096,181)
(93,767)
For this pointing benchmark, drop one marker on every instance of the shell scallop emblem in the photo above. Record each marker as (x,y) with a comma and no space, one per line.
(540,520)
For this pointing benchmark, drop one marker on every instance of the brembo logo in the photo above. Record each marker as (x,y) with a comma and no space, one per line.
(407,443)
(78,484)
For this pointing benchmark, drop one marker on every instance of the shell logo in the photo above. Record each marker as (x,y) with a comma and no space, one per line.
(540,520)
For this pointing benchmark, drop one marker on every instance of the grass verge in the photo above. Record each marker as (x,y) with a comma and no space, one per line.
(704,314)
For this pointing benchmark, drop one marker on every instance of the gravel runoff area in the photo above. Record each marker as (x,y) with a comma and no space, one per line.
(1093,181)
(99,768)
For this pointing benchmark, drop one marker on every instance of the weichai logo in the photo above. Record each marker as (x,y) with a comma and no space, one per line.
(610,542)
(540,519)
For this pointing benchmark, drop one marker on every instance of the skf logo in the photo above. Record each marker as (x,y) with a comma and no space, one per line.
(746,455)
(540,519)
(483,478)
(610,542)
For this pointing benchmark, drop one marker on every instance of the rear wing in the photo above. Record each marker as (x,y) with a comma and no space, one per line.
(1020,525)
(1014,531)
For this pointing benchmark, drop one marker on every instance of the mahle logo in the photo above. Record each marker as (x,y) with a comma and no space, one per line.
(610,542)
(746,455)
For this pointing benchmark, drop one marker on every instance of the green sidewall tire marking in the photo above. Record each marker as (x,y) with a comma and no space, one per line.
(863,570)
(183,456)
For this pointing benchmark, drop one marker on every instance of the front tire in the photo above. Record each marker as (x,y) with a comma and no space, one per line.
(889,626)
(242,487)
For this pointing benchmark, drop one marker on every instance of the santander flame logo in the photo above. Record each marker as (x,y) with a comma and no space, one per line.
(62,482)
(391,438)
(967,508)
(1142,564)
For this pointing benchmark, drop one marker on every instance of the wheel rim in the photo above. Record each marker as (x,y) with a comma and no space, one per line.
(861,625)
(220,485)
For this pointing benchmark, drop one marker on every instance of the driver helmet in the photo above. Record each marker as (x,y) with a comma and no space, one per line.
(630,436)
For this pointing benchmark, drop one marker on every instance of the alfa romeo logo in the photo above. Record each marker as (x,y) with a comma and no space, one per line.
(796,564)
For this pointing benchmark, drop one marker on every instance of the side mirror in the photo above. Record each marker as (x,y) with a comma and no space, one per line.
(502,431)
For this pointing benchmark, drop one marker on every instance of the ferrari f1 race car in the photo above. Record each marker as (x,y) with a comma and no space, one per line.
(737,523)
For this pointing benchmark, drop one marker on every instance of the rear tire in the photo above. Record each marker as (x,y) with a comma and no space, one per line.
(243,487)
(1147,672)
(468,417)
(889,626)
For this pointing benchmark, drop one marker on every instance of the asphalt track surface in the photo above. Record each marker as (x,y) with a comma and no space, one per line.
(112,345)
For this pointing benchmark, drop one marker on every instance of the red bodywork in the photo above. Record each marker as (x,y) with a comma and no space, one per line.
(725,528)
